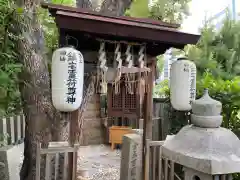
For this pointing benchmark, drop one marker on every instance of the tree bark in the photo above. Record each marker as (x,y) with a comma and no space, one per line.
(108,7)
(84,4)
(43,122)
(115,7)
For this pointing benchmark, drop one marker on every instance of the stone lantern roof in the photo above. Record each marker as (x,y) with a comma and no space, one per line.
(204,145)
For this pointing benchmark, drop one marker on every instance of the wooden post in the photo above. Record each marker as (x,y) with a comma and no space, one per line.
(72,161)
(38,161)
(147,114)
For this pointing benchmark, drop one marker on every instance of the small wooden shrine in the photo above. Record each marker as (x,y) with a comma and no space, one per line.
(122,52)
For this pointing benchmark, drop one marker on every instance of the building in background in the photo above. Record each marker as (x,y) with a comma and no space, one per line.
(213,15)
(168,60)
(233,8)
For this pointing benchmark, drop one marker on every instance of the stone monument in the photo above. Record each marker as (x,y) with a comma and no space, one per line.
(206,150)
(131,157)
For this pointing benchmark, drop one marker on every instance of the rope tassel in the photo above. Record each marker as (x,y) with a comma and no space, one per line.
(102,57)
(103,60)
(129,58)
(142,57)
(119,65)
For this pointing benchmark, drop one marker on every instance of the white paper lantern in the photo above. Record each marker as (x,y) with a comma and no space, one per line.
(67,79)
(182,84)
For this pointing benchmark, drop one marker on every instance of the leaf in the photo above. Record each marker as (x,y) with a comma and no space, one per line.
(139,8)
(19,10)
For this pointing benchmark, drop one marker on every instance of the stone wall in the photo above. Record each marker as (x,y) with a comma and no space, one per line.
(92,126)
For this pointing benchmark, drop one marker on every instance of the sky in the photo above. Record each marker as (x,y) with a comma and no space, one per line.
(200,8)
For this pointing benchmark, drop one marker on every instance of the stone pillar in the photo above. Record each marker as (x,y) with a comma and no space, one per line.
(206,150)
(131,157)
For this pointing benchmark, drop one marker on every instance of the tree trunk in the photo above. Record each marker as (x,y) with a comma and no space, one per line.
(115,7)
(108,7)
(43,122)
(84,4)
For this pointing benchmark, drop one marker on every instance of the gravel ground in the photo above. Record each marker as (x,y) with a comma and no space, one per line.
(100,162)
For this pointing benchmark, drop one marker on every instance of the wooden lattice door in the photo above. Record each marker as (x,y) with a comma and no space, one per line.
(123,104)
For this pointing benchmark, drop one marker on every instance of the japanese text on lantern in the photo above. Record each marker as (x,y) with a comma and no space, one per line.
(63,55)
(71,81)
(192,84)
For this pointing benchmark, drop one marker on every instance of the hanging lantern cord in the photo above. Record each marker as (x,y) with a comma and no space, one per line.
(71,37)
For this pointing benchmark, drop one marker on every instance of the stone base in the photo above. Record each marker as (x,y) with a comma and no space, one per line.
(11,157)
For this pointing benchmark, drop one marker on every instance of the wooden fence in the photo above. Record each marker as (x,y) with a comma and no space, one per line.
(57,154)
(161,122)
(12,129)
(159,167)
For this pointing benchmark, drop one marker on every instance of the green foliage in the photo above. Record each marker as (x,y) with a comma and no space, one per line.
(138,8)
(173,11)
(10,101)
(160,63)
(50,30)
(218,52)
(64,2)
(51,34)
(217,56)
(10,66)
(226,91)
(161,90)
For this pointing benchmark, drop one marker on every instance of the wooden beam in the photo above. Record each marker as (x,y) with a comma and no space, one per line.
(126,70)
(144,139)
(147,113)
(149,108)
(72,159)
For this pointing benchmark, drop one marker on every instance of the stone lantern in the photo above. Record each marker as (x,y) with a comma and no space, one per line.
(206,150)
